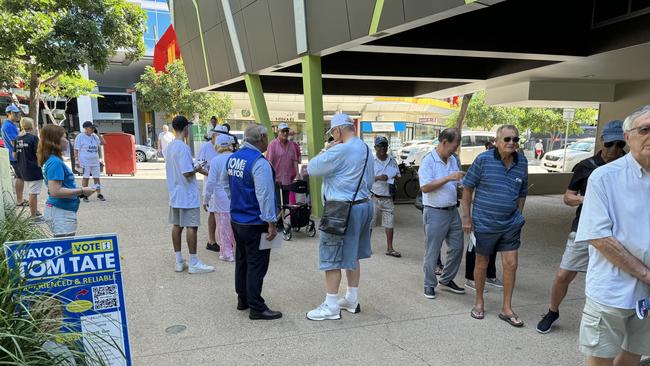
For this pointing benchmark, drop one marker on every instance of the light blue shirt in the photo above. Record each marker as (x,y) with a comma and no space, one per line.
(433,168)
(617,204)
(264,186)
(341,167)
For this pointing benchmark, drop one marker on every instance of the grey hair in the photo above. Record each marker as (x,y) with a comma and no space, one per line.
(506,127)
(630,120)
(347,128)
(254,133)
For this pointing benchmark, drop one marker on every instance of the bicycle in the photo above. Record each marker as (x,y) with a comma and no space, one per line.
(411,187)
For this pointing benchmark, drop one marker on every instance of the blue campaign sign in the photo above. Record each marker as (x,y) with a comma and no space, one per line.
(84,273)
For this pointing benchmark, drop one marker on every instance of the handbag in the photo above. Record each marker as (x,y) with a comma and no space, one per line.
(337,213)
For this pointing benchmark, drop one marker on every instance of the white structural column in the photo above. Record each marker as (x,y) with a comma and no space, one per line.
(84,103)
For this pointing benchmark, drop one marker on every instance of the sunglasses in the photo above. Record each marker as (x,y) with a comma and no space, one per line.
(619,144)
(513,139)
(641,130)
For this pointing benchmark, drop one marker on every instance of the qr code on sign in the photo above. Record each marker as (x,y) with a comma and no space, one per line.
(105,297)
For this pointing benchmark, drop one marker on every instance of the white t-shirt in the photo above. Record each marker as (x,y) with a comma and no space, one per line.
(539,146)
(388,167)
(164,139)
(183,192)
(433,168)
(88,147)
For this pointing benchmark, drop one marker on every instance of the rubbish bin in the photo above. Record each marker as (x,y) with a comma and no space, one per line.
(119,153)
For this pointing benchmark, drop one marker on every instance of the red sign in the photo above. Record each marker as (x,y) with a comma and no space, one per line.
(166,50)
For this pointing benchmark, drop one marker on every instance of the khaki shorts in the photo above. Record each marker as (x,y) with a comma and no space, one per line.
(605,330)
(185,217)
(576,255)
(34,186)
(384,211)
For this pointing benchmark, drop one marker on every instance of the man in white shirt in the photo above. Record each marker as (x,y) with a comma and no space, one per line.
(184,201)
(615,220)
(439,180)
(386,171)
(88,153)
(164,139)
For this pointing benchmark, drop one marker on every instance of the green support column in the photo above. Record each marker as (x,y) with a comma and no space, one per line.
(256,95)
(312,84)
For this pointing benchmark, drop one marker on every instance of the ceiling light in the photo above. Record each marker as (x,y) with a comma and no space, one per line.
(589,76)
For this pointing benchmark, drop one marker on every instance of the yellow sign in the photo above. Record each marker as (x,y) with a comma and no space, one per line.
(95,246)
(79,306)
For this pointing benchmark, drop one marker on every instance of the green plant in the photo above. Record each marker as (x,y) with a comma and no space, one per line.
(18,226)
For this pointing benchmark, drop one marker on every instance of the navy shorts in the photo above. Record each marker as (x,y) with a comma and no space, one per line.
(490,243)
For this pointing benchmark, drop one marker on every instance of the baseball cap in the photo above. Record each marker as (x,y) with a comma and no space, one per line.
(381,140)
(283,126)
(12,108)
(224,140)
(340,119)
(179,122)
(613,131)
(87,124)
(220,129)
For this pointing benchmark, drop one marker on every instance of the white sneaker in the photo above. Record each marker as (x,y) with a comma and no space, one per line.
(200,267)
(353,308)
(180,266)
(324,312)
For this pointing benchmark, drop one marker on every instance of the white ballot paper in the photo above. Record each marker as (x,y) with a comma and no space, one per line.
(471,241)
(273,244)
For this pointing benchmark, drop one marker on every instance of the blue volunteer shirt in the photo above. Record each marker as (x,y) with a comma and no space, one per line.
(9,134)
(497,191)
(55,169)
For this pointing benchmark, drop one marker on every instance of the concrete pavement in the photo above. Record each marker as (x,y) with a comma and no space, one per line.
(397,325)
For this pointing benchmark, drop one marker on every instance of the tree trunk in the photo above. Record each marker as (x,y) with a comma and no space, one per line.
(461,115)
(34,96)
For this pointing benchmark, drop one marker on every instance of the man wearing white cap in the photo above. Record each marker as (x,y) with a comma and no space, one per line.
(284,158)
(9,135)
(347,168)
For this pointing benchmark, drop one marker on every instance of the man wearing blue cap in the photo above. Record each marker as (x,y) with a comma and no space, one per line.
(386,171)
(9,135)
(576,255)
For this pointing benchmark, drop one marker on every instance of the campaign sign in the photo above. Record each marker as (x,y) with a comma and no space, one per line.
(85,275)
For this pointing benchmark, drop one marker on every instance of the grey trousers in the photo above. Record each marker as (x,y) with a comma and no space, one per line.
(442,225)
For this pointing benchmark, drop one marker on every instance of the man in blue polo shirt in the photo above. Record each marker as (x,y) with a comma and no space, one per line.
(9,135)
(497,183)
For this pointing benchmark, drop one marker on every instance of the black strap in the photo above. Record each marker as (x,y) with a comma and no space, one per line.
(365,163)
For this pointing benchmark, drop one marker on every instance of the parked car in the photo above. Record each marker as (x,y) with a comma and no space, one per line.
(553,161)
(410,146)
(472,143)
(145,153)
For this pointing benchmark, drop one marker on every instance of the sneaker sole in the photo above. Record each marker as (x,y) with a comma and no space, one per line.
(542,332)
(493,285)
(331,317)
(459,292)
(430,296)
(200,271)
(356,310)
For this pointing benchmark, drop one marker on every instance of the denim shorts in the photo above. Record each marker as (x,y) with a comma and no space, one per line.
(343,251)
(61,222)
(490,243)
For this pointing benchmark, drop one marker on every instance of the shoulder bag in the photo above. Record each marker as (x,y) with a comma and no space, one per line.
(337,213)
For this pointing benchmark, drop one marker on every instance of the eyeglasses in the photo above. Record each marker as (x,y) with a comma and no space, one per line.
(619,144)
(641,130)
(513,139)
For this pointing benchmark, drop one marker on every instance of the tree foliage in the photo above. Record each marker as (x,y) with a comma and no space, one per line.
(55,37)
(170,92)
(65,88)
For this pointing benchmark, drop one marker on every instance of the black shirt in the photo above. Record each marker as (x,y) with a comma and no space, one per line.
(579,180)
(26,146)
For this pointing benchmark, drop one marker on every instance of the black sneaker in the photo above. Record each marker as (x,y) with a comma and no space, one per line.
(101,197)
(430,292)
(213,247)
(544,325)
(453,287)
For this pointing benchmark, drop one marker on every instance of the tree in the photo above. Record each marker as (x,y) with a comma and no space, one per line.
(551,121)
(169,92)
(481,115)
(55,37)
(65,88)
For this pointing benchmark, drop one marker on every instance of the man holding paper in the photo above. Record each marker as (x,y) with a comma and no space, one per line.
(439,180)
(386,171)
(615,221)
(253,213)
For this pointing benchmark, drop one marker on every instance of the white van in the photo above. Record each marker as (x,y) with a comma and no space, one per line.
(473,143)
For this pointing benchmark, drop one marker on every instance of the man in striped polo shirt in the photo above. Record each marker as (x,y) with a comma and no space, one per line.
(497,183)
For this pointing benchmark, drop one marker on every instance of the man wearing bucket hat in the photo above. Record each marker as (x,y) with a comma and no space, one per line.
(576,255)
(347,168)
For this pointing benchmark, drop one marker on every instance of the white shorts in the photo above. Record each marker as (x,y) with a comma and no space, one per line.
(61,222)
(91,170)
(34,186)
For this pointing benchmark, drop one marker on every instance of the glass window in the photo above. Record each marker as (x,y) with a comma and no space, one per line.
(163,22)
(481,140)
(115,103)
(466,141)
(150,33)
(149,45)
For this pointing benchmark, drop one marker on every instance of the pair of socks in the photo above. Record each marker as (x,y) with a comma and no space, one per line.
(351,295)
(193,258)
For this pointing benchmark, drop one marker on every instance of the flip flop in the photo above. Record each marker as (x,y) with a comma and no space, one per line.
(394,253)
(23,204)
(477,313)
(512,319)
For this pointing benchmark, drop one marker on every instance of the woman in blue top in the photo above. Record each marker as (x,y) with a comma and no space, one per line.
(63,195)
